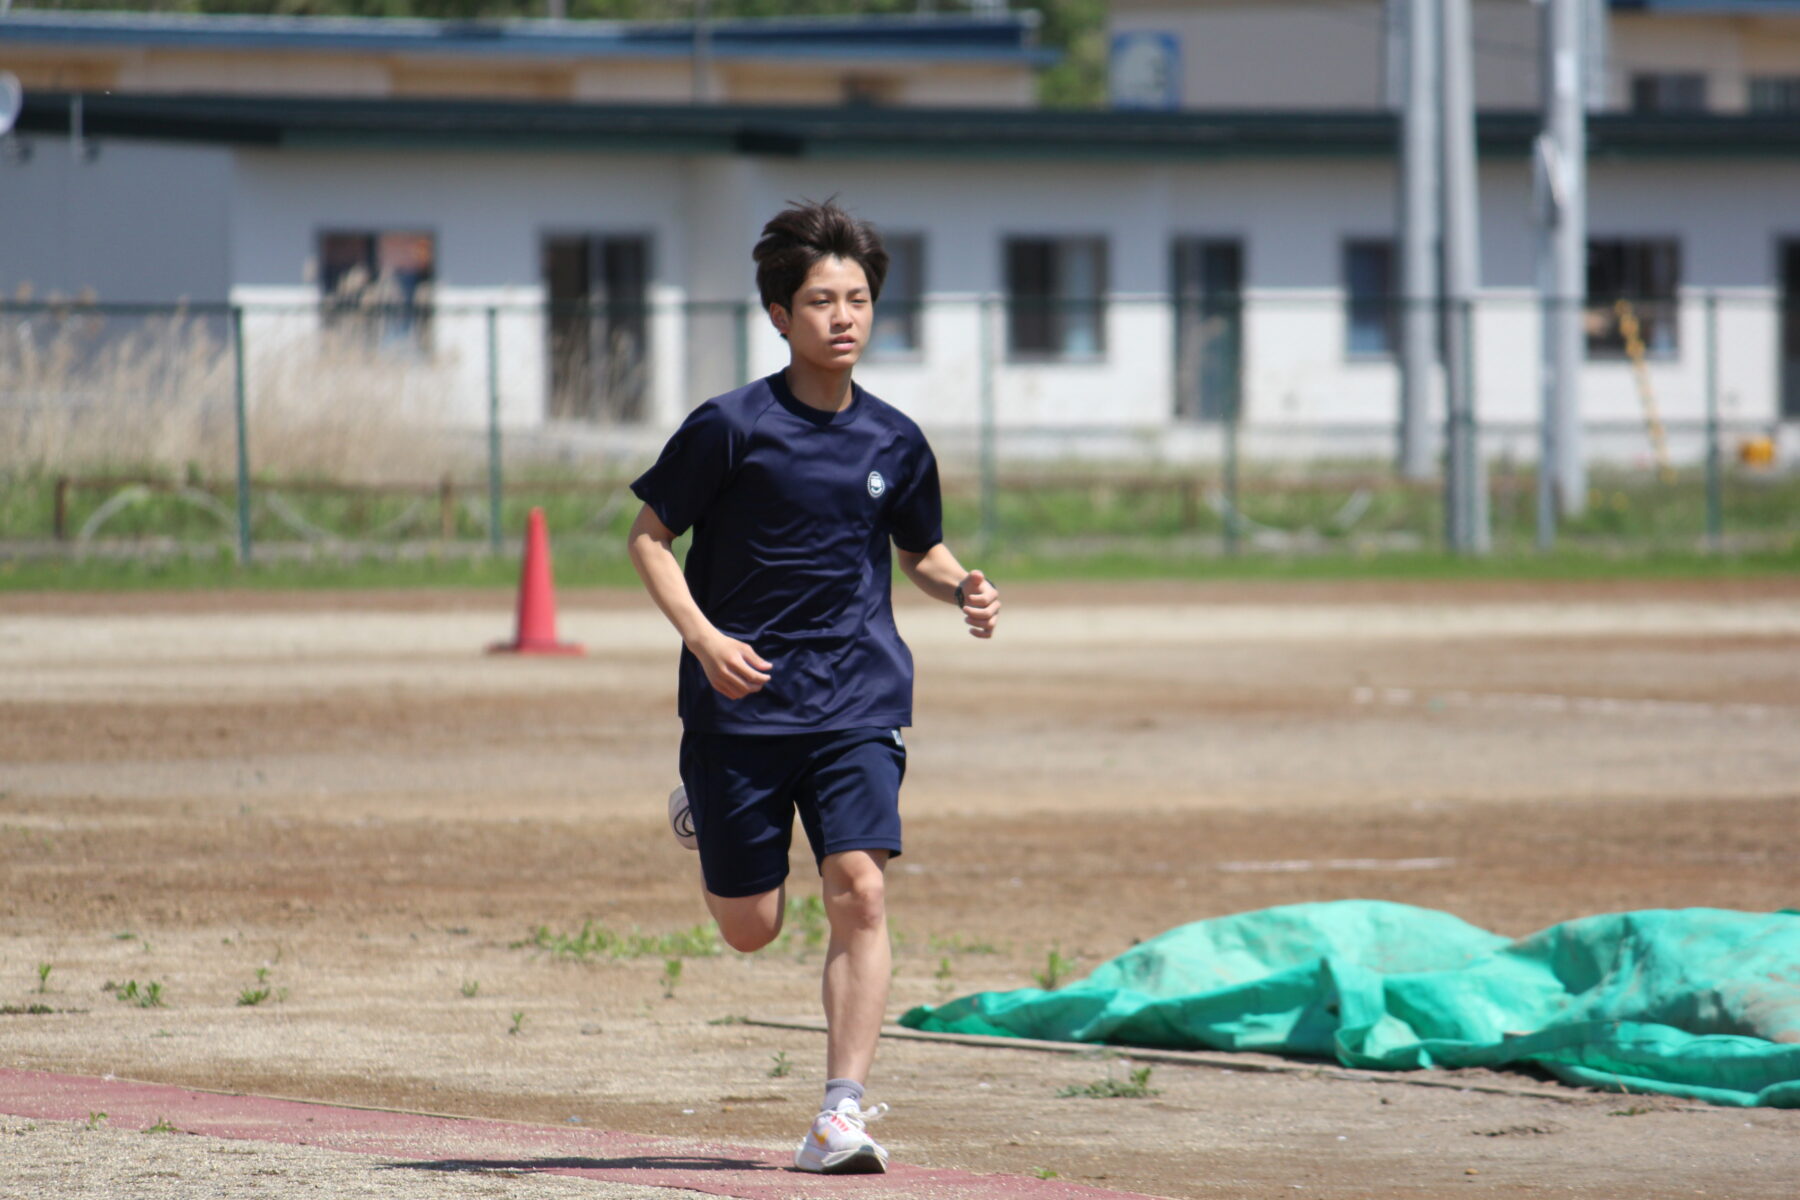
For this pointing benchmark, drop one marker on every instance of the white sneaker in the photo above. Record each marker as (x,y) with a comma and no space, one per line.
(681,818)
(838,1143)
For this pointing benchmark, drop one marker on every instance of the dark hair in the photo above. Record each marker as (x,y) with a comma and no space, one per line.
(799,236)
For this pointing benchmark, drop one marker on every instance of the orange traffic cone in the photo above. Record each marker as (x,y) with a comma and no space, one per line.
(537,599)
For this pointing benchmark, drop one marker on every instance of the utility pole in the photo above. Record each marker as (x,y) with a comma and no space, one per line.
(702,52)
(1418,234)
(1561,171)
(1465,488)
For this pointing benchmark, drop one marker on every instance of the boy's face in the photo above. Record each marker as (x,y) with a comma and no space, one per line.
(829,324)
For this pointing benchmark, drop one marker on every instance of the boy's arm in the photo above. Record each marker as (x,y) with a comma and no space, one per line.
(732,667)
(937,573)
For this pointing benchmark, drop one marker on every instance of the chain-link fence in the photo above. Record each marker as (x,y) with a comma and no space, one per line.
(1195,425)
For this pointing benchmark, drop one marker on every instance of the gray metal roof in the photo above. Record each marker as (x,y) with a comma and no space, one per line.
(1007,37)
(839,132)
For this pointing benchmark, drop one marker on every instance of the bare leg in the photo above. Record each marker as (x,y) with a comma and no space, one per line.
(749,922)
(858,961)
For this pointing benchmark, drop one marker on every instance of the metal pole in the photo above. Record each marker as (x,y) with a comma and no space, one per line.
(495,484)
(1462,270)
(740,323)
(1551,197)
(1566,122)
(1233,525)
(1418,240)
(990,517)
(702,63)
(1715,499)
(242,407)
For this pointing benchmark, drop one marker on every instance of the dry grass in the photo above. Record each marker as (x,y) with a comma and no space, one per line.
(82,390)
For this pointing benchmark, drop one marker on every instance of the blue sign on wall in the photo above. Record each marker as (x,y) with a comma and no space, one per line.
(1144,70)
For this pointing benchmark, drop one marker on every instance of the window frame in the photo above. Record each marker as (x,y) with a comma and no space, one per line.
(1599,319)
(1385,302)
(1053,307)
(1660,92)
(605,314)
(1787,87)
(407,326)
(912,321)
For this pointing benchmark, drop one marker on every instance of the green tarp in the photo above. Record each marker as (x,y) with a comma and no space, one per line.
(1695,1002)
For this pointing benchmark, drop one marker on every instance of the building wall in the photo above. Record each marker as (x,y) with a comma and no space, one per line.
(620,80)
(1284,54)
(133,221)
(156,222)
(1726,49)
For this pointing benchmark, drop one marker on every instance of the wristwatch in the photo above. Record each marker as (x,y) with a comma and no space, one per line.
(961,598)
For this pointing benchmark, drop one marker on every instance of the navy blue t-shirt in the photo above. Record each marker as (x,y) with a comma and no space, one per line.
(792,510)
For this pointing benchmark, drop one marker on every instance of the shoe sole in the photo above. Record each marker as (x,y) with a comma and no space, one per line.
(852,1162)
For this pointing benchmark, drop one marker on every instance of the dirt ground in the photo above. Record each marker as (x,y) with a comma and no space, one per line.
(336,799)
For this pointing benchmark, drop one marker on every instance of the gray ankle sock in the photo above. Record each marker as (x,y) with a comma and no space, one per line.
(839,1090)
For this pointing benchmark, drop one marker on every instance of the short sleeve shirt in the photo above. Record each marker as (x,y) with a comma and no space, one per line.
(793,510)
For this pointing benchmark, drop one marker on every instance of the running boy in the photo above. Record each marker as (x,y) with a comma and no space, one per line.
(794,683)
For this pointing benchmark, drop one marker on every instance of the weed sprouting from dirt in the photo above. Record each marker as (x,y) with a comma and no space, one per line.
(1046,1173)
(163,1125)
(597,941)
(671,975)
(43,974)
(957,944)
(806,924)
(148,995)
(251,997)
(1056,970)
(96,1120)
(1112,1088)
(780,1067)
(470,988)
(25,1010)
(518,1023)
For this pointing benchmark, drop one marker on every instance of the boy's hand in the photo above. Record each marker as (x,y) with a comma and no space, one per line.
(731,666)
(980,604)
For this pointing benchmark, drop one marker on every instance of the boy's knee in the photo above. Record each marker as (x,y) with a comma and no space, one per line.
(748,939)
(858,898)
(748,923)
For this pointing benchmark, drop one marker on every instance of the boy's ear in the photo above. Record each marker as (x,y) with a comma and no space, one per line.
(779,317)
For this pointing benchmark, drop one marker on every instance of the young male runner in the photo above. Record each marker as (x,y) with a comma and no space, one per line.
(794,683)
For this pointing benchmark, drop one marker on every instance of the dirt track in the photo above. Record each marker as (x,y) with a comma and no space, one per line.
(340,792)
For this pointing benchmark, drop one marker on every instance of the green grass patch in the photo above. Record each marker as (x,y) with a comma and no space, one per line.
(595,941)
(1137,1087)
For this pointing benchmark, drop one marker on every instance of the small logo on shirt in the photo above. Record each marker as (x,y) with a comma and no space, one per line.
(877,485)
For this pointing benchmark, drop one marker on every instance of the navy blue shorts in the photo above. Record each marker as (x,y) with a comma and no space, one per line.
(744,790)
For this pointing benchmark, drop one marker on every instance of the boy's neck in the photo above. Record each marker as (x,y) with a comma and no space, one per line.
(827,391)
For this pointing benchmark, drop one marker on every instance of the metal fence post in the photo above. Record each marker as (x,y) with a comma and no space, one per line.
(1715,500)
(495,483)
(1548,455)
(990,517)
(741,345)
(1233,523)
(242,408)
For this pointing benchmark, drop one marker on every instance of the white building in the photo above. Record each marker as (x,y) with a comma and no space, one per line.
(1274,226)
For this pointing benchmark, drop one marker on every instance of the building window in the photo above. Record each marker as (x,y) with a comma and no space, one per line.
(597,286)
(379,283)
(1668,92)
(1056,297)
(1207,275)
(900,311)
(1631,287)
(1369,311)
(1775,93)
